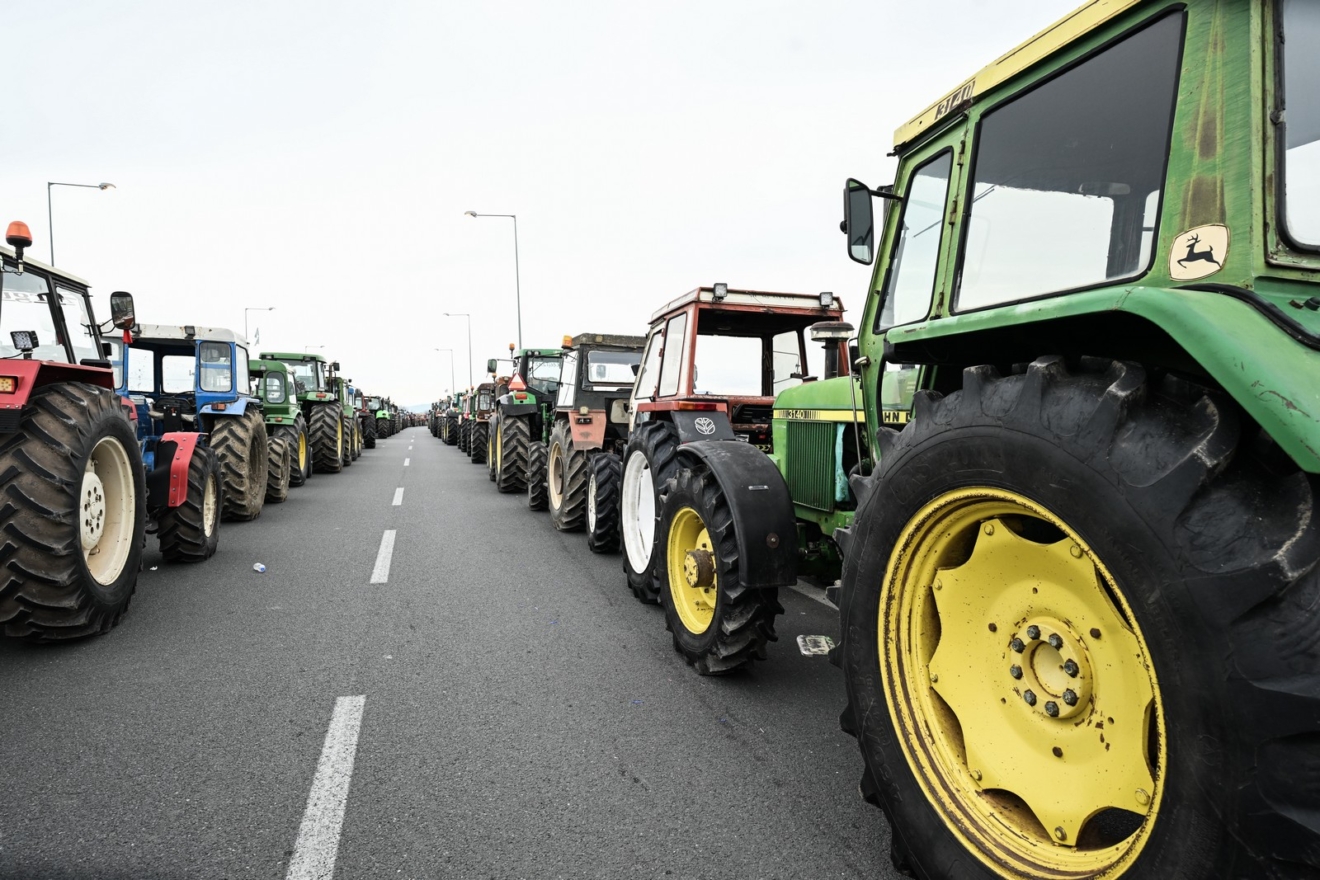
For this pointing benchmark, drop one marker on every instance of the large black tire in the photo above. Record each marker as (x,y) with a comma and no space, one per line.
(603,485)
(240,444)
(514,438)
(383,428)
(477,445)
(741,620)
(650,461)
(451,430)
(464,429)
(538,494)
(278,470)
(300,450)
(350,442)
(566,478)
(326,431)
(51,588)
(369,433)
(492,427)
(191,531)
(1210,538)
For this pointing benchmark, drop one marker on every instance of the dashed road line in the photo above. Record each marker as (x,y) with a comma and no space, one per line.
(405,461)
(317,847)
(381,573)
(398,496)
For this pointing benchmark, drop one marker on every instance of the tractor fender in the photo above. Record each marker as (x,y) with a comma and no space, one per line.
(761,506)
(168,479)
(519,409)
(231,408)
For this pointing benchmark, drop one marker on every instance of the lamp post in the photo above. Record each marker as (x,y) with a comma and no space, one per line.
(50,218)
(517,282)
(253,309)
(469,329)
(451,367)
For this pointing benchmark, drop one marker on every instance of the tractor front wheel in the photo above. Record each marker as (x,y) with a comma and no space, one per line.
(239,442)
(477,444)
(369,433)
(650,461)
(278,470)
(567,481)
(538,456)
(327,434)
(1073,626)
(300,450)
(191,531)
(350,442)
(73,516)
(603,503)
(512,440)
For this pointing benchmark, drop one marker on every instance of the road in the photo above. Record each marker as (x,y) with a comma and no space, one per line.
(517,713)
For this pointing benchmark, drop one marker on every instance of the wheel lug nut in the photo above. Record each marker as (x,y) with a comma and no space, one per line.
(1052,709)
(1030,697)
(1070,667)
(1033,632)
(1070,697)
(1017,645)
(1015,671)
(1055,642)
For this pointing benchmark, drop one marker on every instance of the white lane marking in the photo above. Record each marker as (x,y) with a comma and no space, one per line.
(405,461)
(317,847)
(398,496)
(812,594)
(381,573)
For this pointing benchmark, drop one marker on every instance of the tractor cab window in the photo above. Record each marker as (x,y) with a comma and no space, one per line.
(916,253)
(217,367)
(671,364)
(728,365)
(116,358)
(178,373)
(786,359)
(82,335)
(611,367)
(567,379)
(25,305)
(274,388)
(542,373)
(307,376)
(483,400)
(1067,176)
(649,372)
(242,379)
(1300,57)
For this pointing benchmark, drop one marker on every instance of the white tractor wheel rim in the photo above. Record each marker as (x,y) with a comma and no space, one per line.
(591,504)
(209,505)
(555,477)
(638,512)
(107,508)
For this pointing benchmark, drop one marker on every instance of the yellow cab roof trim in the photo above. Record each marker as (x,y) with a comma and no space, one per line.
(1073,25)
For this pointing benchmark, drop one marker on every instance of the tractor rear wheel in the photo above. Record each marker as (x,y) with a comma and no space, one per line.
(278,470)
(463,429)
(566,479)
(382,428)
(350,441)
(1058,557)
(451,431)
(239,442)
(73,517)
(650,461)
(327,435)
(538,457)
(477,446)
(300,450)
(718,625)
(512,441)
(606,477)
(191,531)
(492,427)
(369,433)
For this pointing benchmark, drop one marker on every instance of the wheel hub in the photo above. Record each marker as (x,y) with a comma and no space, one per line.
(699,568)
(91,513)
(1052,673)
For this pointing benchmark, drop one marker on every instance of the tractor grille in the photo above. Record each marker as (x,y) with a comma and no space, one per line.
(810,456)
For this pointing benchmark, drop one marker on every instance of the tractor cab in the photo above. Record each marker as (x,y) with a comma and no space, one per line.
(726,354)
(595,383)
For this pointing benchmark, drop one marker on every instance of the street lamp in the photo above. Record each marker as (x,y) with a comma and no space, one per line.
(516,280)
(469,325)
(452,384)
(50,219)
(253,309)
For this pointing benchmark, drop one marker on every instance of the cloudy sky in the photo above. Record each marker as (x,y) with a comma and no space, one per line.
(318,157)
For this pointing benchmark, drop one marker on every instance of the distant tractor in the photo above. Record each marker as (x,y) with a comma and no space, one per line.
(371,420)
(285,421)
(341,388)
(483,404)
(322,410)
(76,496)
(523,413)
(452,415)
(365,420)
(195,379)
(587,438)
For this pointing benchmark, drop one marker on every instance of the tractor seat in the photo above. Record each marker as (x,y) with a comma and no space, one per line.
(175,413)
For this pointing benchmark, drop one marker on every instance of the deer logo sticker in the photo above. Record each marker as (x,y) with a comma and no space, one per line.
(1198,252)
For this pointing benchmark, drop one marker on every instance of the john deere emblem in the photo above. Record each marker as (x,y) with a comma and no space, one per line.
(704,426)
(1198,252)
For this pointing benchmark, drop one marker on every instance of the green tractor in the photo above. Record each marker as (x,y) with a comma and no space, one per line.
(524,412)
(376,417)
(482,404)
(589,432)
(449,424)
(352,431)
(273,386)
(320,406)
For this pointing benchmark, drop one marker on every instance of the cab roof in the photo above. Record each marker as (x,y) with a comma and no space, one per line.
(610,340)
(58,273)
(180,332)
(1072,26)
(764,300)
(290,356)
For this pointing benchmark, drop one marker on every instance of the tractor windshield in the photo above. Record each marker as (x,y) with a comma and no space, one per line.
(542,373)
(25,305)
(307,376)
(374,403)
(1301,161)
(611,367)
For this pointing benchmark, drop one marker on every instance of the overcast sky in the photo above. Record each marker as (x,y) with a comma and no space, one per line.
(318,157)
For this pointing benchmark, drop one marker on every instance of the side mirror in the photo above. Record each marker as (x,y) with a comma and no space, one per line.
(491,365)
(334,365)
(122,314)
(830,331)
(859,222)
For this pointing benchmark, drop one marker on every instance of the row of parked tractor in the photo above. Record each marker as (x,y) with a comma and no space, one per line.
(646,443)
(110,432)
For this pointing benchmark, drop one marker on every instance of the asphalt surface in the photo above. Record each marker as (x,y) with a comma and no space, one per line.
(522,716)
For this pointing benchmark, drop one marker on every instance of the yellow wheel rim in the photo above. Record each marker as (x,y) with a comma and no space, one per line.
(1022,688)
(302,452)
(693,584)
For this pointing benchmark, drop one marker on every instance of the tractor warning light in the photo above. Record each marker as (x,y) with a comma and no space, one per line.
(8,384)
